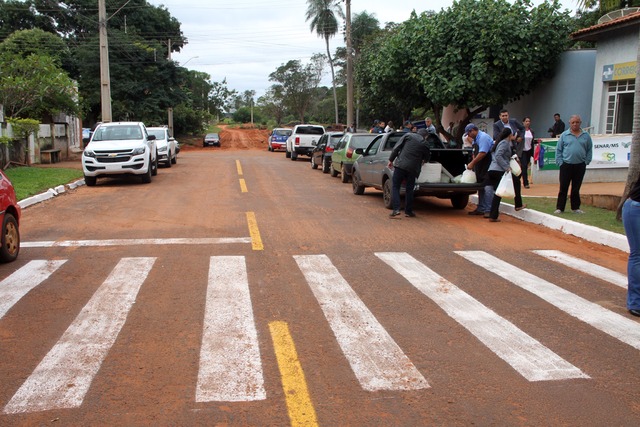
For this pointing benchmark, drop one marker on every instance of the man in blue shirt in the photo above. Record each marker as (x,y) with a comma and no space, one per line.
(573,154)
(482,144)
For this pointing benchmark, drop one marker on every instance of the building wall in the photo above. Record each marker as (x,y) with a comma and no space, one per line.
(622,48)
(568,92)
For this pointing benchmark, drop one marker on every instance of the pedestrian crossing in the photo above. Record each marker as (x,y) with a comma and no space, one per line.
(230,360)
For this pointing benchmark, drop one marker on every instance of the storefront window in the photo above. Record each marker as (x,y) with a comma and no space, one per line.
(620,106)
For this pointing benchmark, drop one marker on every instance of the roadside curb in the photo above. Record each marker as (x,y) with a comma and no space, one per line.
(583,231)
(49,194)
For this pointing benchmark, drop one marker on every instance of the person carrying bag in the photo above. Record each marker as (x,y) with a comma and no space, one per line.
(500,175)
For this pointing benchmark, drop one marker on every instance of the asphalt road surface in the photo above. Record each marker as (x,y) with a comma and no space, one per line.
(243,288)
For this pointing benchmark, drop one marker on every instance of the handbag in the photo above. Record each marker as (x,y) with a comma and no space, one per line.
(515,166)
(505,187)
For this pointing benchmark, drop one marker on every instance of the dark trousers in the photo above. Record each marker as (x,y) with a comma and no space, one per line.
(570,174)
(494,180)
(524,163)
(400,175)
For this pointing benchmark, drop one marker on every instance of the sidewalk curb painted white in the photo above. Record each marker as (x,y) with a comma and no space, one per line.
(49,194)
(586,232)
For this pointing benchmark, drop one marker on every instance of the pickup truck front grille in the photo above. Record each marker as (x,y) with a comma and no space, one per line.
(117,159)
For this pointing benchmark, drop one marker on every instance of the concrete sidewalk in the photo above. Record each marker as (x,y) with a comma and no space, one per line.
(605,195)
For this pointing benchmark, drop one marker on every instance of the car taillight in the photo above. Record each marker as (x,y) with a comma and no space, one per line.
(329,150)
(350,152)
(297,140)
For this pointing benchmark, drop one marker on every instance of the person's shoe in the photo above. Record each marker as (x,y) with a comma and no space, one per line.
(557,211)
(634,312)
(394,213)
(519,208)
(410,214)
(494,220)
(476,212)
(487,215)
(526,186)
(578,211)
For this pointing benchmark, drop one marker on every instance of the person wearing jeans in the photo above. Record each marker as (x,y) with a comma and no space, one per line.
(631,222)
(573,154)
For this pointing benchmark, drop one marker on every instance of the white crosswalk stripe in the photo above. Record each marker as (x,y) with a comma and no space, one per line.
(16,286)
(586,267)
(230,366)
(375,358)
(63,377)
(526,355)
(620,327)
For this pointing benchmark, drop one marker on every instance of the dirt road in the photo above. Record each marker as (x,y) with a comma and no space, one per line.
(242,288)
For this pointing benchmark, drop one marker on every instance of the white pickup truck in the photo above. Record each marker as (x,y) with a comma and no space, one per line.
(302,140)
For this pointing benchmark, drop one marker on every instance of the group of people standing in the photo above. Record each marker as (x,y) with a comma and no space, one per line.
(512,139)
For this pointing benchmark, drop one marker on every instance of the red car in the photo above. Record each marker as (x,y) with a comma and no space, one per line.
(10,216)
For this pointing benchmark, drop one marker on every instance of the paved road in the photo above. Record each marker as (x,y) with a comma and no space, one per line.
(241,288)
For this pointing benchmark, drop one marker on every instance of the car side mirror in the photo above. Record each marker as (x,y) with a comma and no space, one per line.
(151,138)
(172,139)
(85,140)
(359,150)
(314,143)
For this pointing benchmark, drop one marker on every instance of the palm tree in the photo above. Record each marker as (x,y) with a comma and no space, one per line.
(324,16)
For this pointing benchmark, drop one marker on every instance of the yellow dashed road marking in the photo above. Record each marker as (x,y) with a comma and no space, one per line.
(239,167)
(243,186)
(299,406)
(256,241)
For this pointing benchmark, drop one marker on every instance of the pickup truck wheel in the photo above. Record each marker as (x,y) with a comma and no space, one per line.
(288,154)
(358,188)
(325,165)
(460,201)
(334,172)
(294,156)
(146,178)
(90,180)
(154,166)
(386,193)
(175,158)
(313,163)
(169,161)
(344,176)
(10,239)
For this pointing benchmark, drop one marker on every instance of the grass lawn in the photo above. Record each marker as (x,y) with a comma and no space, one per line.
(597,217)
(29,181)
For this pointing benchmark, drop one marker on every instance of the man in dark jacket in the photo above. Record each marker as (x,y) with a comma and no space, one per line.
(409,154)
(558,126)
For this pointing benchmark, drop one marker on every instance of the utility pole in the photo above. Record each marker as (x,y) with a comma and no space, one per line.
(349,65)
(170,109)
(105,79)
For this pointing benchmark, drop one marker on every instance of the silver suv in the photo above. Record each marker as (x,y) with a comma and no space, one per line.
(121,148)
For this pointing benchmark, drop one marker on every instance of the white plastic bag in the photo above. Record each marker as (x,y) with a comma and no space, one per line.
(468,177)
(515,167)
(505,187)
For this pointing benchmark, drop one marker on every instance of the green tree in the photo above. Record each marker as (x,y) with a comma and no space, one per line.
(272,102)
(298,83)
(18,15)
(34,85)
(220,97)
(324,15)
(22,129)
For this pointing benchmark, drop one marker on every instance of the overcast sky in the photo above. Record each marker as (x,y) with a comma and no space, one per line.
(246,40)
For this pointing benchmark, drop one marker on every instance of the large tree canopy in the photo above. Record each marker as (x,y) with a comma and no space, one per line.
(297,83)
(472,55)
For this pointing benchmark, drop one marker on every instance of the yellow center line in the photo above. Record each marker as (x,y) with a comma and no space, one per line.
(256,241)
(299,406)
(238,167)
(243,186)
